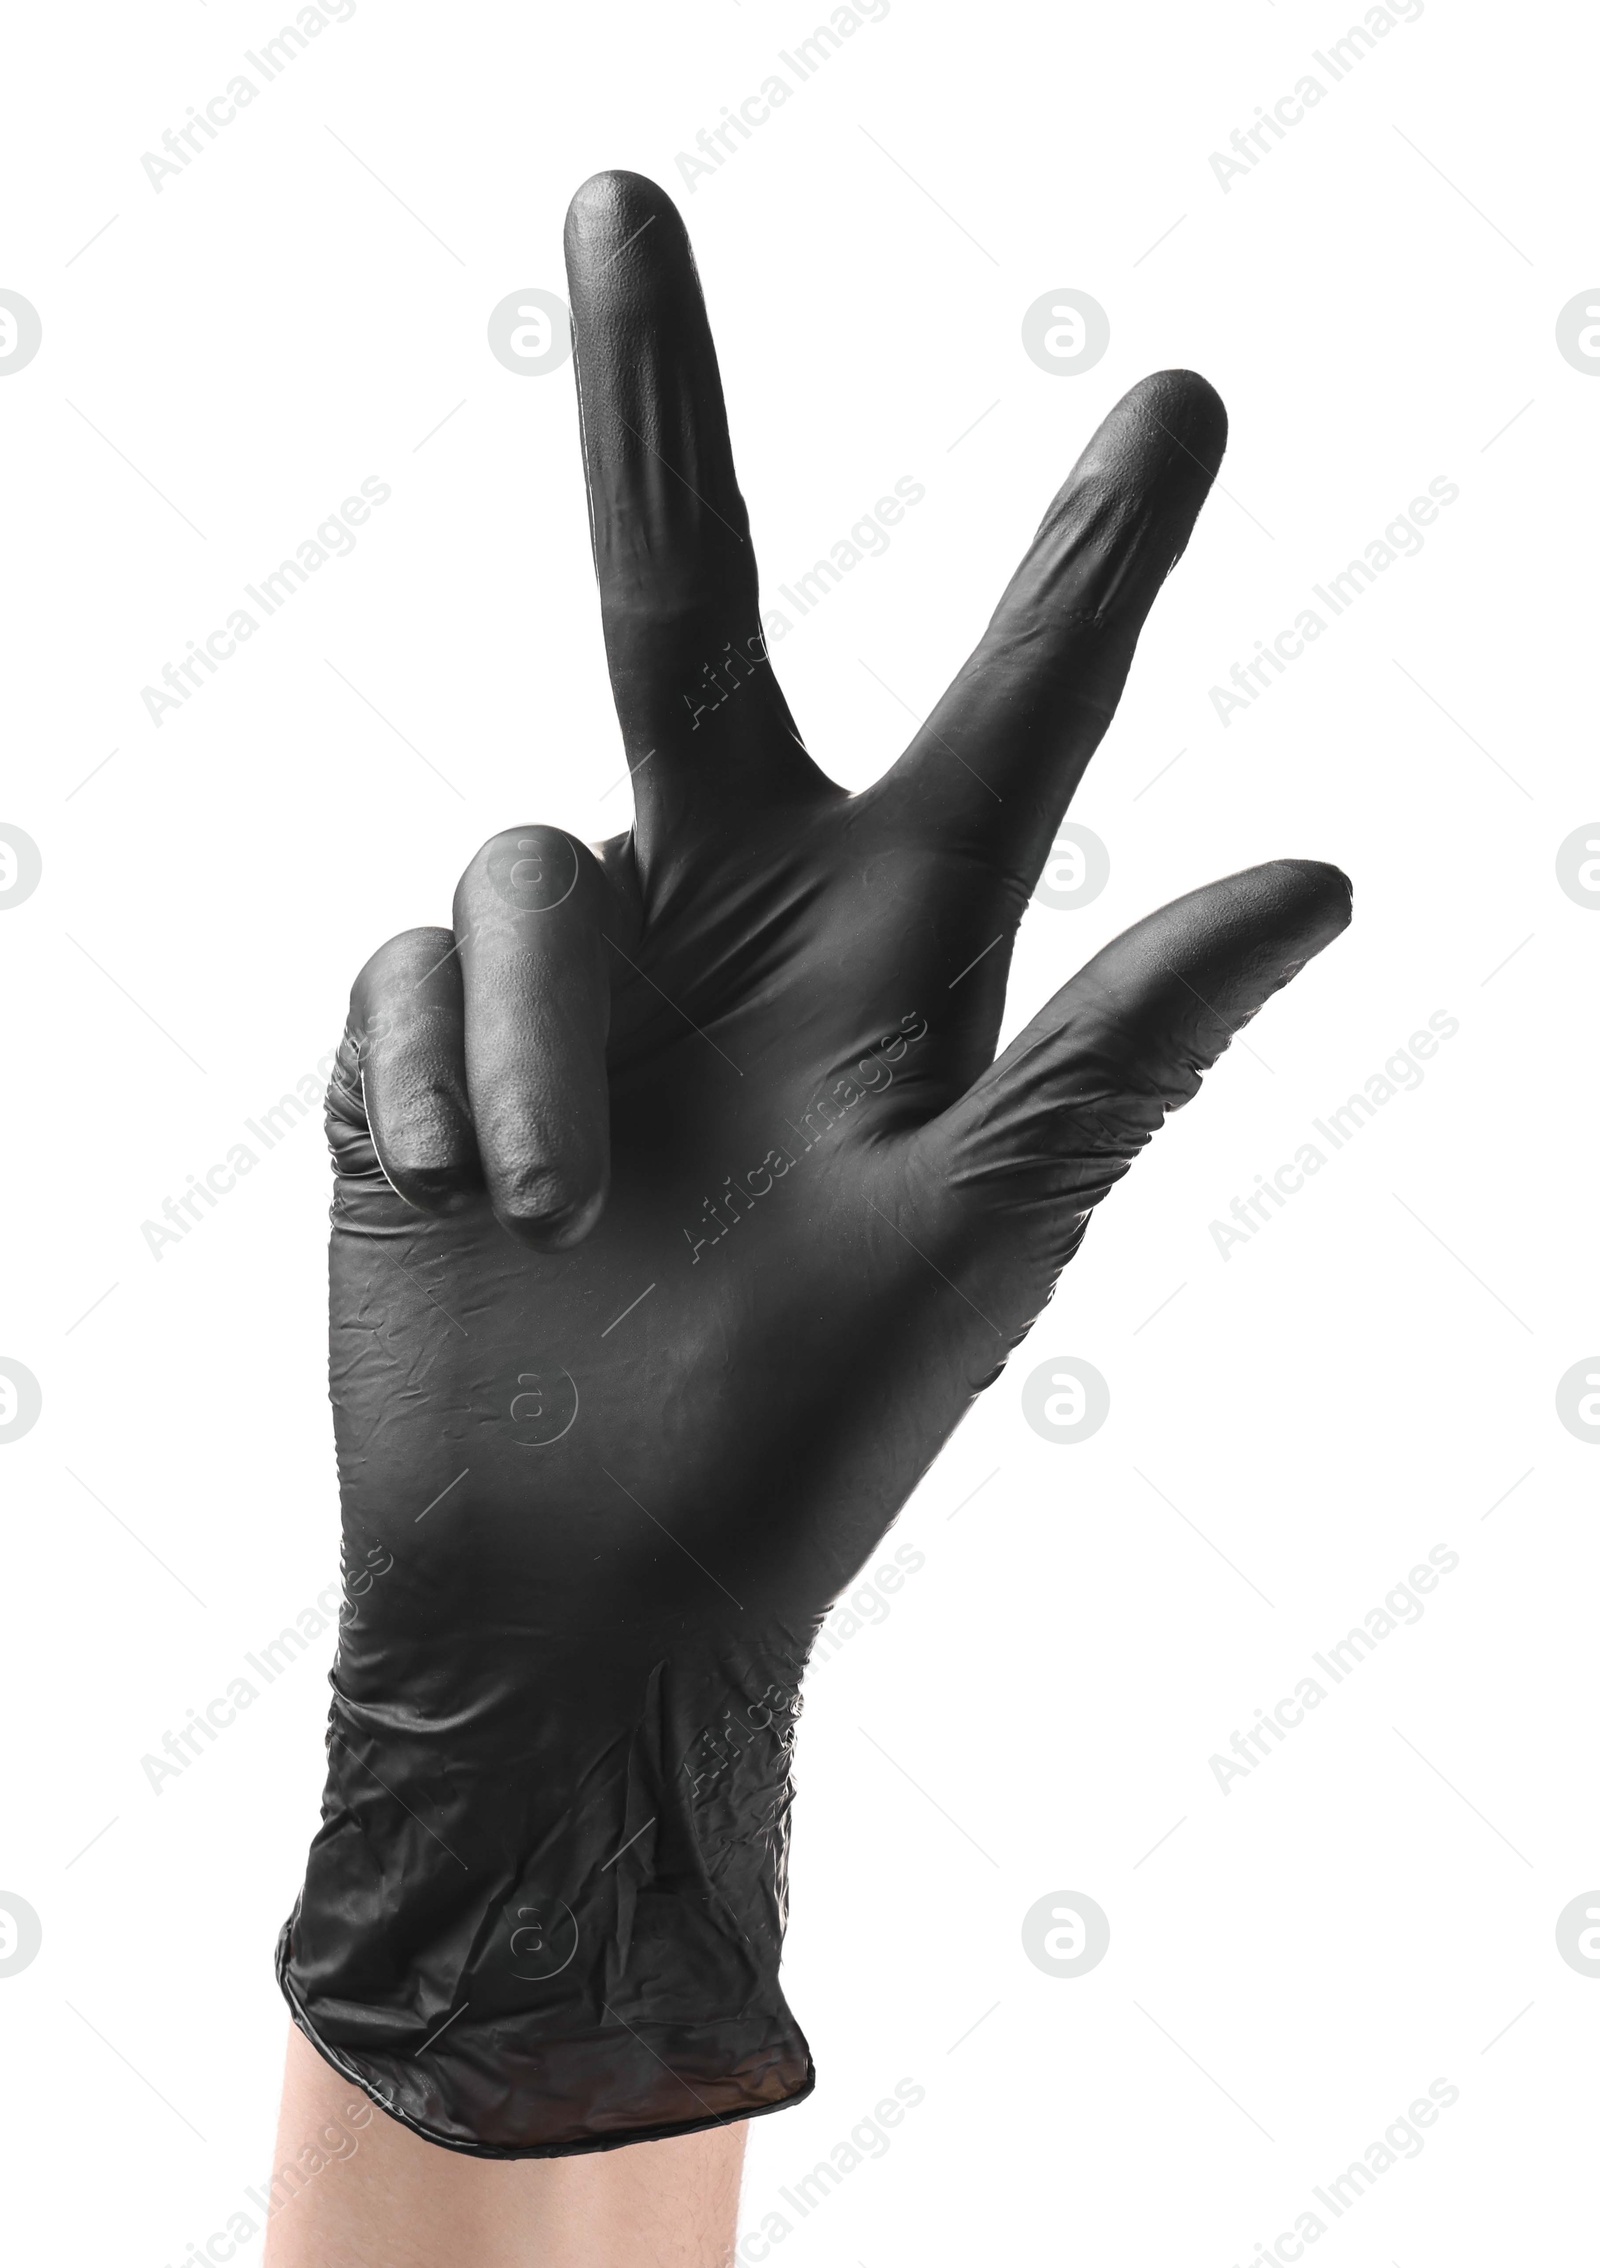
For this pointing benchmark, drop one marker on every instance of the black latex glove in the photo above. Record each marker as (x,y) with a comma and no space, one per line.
(681,1211)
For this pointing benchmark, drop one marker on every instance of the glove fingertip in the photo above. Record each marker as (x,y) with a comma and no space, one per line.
(1320,900)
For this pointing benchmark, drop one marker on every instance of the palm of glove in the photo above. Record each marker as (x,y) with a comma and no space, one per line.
(775,1267)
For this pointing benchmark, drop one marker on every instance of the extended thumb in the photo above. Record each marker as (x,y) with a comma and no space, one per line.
(1061,1114)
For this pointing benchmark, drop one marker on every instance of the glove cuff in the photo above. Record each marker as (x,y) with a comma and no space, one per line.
(569,1941)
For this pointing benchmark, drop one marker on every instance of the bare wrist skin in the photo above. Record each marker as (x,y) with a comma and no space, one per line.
(383,2198)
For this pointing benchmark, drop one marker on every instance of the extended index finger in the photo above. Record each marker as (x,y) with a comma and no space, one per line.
(701,715)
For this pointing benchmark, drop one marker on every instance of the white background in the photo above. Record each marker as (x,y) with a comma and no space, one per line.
(1368,1377)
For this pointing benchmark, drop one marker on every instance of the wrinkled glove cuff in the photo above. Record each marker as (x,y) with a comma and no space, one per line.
(566,1945)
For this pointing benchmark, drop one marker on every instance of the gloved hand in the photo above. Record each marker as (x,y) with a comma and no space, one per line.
(680,1213)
